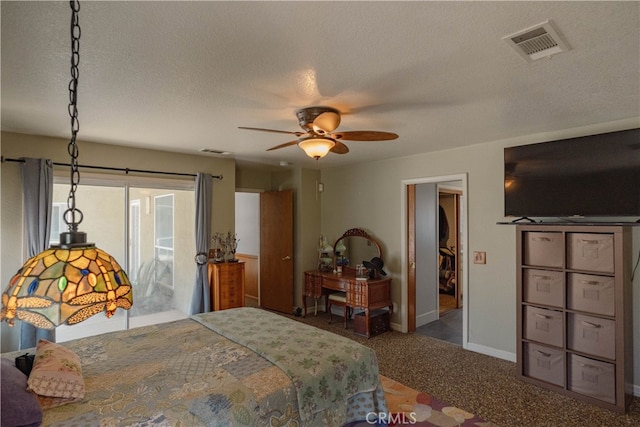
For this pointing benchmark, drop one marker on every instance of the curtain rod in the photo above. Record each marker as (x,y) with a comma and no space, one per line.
(125,170)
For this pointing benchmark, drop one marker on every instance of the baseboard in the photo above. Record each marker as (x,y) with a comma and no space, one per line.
(500,354)
(396,327)
(423,319)
(251,301)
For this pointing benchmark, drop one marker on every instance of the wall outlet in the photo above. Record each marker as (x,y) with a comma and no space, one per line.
(479,257)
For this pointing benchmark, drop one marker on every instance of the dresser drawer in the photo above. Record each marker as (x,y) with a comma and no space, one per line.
(592,378)
(592,335)
(544,363)
(544,249)
(543,287)
(590,251)
(543,325)
(594,294)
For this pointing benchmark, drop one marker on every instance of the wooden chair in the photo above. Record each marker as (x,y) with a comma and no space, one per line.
(339,299)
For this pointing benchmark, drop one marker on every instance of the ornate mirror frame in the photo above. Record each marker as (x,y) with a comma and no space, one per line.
(355,232)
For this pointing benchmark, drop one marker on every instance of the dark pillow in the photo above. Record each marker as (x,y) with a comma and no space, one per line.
(19,406)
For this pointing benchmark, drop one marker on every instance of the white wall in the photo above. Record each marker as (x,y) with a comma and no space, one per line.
(248,223)
(491,293)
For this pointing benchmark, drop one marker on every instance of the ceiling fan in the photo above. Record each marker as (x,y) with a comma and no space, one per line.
(318,138)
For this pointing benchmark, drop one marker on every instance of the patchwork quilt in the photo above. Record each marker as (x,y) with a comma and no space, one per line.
(239,367)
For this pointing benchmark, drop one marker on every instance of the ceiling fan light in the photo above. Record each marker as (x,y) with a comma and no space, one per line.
(317,146)
(326,122)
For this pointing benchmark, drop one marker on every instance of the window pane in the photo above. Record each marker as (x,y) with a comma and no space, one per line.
(134,239)
(164,221)
(57,222)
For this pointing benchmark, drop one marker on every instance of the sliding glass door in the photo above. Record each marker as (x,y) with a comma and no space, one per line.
(149,229)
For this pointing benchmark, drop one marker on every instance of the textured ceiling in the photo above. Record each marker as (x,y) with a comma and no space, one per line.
(183,76)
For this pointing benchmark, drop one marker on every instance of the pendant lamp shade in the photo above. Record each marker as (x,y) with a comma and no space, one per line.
(317,146)
(66,285)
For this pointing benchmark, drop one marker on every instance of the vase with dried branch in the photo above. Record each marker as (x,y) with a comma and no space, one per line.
(231,243)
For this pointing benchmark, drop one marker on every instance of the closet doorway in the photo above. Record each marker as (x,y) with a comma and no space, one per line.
(425,254)
(264,225)
(247,227)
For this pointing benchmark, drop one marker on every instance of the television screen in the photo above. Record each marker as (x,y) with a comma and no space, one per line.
(591,176)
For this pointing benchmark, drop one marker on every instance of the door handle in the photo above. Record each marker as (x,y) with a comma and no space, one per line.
(286,258)
(591,325)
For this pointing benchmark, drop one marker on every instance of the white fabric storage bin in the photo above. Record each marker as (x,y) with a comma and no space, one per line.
(543,325)
(543,287)
(592,335)
(544,363)
(544,249)
(590,251)
(592,378)
(591,293)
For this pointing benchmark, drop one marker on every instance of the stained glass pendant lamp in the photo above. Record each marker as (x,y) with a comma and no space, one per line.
(72,281)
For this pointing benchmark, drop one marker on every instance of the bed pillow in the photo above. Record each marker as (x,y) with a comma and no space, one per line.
(19,406)
(56,376)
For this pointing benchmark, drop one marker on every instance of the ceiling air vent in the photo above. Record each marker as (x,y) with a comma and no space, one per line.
(212,151)
(539,41)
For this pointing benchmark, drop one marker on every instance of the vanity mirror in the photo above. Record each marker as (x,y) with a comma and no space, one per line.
(354,247)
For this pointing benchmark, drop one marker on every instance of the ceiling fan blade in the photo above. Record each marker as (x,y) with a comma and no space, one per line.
(273,130)
(340,148)
(286,144)
(364,135)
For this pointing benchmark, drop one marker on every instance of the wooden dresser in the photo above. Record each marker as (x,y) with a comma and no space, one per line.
(227,284)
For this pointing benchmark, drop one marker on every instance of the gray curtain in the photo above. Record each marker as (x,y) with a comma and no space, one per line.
(201,299)
(37,191)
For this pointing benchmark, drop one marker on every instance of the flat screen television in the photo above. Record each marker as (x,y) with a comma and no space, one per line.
(590,176)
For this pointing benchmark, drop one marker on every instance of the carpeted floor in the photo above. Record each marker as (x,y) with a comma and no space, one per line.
(480,384)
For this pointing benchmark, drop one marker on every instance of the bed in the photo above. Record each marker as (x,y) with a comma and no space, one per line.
(238,367)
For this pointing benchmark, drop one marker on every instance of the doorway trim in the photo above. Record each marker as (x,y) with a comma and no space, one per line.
(463,177)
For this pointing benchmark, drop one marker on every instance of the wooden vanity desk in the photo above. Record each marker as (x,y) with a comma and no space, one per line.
(373,296)
(368,295)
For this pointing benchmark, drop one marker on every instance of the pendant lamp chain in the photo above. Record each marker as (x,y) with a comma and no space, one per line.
(73,216)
